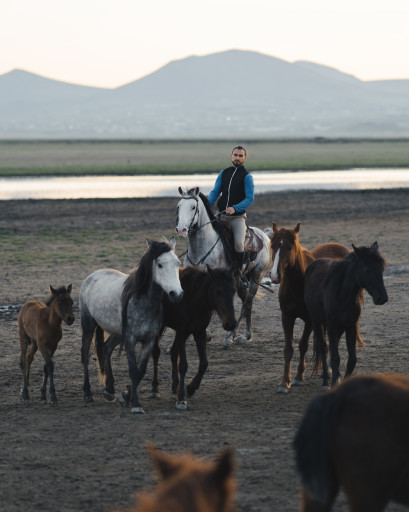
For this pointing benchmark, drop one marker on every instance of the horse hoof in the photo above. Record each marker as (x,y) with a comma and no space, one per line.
(88,399)
(137,410)
(241,340)
(43,402)
(174,396)
(227,343)
(154,394)
(297,383)
(123,399)
(282,389)
(325,388)
(53,403)
(108,396)
(181,405)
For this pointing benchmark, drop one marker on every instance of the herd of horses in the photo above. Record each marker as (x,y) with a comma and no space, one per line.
(354,437)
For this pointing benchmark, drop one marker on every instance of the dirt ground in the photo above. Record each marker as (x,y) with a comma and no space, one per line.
(91,457)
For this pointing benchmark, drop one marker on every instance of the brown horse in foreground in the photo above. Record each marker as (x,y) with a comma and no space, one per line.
(290,261)
(39,326)
(188,484)
(356,437)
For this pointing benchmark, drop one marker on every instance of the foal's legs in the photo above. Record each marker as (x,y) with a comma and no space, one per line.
(88,325)
(288,326)
(179,369)
(200,340)
(28,349)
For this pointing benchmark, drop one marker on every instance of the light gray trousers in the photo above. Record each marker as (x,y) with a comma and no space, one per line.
(238,226)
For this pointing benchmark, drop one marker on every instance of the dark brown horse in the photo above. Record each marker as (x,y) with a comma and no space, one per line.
(188,484)
(290,261)
(39,326)
(334,297)
(203,293)
(356,437)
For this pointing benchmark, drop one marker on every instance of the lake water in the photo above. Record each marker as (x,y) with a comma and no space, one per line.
(167,186)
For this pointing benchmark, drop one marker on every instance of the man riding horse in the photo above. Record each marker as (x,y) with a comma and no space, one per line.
(235,187)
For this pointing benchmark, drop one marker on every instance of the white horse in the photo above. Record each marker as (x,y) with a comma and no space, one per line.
(130,309)
(196,221)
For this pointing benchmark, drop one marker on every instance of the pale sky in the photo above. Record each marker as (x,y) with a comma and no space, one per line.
(108,43)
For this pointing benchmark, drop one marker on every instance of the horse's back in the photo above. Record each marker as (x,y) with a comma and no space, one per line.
(330,250)
(30,315)
(100,296)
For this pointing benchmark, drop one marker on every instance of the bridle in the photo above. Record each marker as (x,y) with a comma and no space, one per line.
(194,228)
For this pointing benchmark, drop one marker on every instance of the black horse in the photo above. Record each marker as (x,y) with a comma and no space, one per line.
(334,297)
(356,437)
(203,293)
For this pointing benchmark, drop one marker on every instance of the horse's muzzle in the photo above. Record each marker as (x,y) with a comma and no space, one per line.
(275,278)
(175,296)
(380,299)
(70,320)
(182,232)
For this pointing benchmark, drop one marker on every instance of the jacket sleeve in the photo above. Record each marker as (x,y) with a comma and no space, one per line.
(214,194)
(249,191)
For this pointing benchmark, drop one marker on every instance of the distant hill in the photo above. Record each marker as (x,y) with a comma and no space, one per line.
(228,94)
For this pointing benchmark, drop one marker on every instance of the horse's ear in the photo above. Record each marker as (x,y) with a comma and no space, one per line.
(297,227)
(69,288)
(225,465)
(165,465)
(355,249)
(172,243)
(209,268)
(275,227)
(375,246)
(180,191)
(149,242)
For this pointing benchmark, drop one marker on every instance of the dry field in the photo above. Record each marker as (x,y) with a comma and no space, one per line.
(91,457)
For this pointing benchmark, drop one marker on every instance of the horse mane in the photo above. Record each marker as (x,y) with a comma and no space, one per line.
(217,226)
(138,281)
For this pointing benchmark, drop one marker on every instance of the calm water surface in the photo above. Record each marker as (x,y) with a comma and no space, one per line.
(167,186)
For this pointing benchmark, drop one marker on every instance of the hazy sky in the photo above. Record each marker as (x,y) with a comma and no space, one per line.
(109,43)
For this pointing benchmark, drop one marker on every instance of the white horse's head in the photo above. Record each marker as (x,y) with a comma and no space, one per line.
(165,272)
(187,211)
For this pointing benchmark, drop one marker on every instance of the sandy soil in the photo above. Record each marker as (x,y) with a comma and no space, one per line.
(91,457)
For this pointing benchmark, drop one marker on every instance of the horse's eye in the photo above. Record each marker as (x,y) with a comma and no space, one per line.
(193,207)
(160,265)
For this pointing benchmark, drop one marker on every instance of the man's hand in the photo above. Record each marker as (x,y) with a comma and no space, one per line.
(230,210)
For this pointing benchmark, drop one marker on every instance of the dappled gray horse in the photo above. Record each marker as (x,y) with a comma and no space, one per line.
(130,309)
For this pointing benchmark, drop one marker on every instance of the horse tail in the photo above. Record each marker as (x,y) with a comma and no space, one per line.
(99,351)
(320,348)
(312,444)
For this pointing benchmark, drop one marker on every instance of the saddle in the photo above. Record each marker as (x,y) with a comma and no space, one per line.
(252,243)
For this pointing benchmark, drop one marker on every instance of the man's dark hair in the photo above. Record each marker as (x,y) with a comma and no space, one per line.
(239,147)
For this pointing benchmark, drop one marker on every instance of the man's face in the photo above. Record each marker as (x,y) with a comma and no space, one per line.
(238,157)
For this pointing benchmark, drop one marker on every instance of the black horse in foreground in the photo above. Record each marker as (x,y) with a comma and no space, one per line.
(334,297)
(356,437)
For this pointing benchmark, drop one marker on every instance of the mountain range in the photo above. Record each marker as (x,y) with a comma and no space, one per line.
(229,94)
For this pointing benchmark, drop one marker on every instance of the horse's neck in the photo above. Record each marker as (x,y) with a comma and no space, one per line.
(203,239)
(350,288)
(53,318)
(302,259)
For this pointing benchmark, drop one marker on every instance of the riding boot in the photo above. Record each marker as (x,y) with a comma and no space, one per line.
(240,278)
